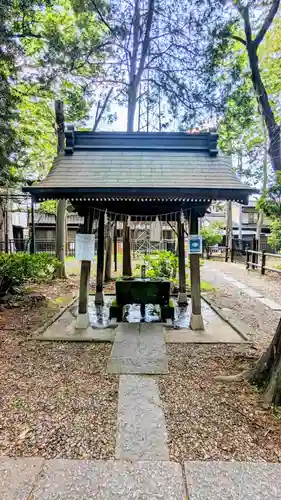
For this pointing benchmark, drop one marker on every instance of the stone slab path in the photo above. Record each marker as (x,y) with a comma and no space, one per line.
(233,480)
(139,348)
(36,479)
(141,429)
(59,479)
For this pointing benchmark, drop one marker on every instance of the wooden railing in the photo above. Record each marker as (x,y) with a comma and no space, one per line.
(258,260)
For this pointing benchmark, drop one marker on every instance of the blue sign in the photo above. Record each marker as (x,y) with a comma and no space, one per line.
(195,244)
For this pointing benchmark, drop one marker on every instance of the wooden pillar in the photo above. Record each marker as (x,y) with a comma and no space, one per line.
(83,314)
(182,298)
(127,264)
(115,246)
(108,255)
(196,320)
(100,261)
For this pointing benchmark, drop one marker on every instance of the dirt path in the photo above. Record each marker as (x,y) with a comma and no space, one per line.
(261,319)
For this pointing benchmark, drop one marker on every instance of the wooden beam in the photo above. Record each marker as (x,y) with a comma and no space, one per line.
(181,253)
(83,315)
(108,255)
(100,261)
(196,321)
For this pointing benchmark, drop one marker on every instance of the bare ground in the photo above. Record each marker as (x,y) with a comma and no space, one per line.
(209,420)
(56,398)
(261,319)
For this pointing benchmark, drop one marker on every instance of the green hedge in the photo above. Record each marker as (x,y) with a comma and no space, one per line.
(18,268)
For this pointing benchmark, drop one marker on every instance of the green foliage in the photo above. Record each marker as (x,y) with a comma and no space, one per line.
(18,268)
(49,52)
(49,207)
(274,239)
(211,235)
(160,265)
(270,202)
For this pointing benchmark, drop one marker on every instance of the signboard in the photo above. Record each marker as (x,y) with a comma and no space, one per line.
(195,244)
(85,246)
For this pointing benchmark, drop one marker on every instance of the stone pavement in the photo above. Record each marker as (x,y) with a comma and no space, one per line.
(138,348)
(58,479)
(233,480)
(141,429)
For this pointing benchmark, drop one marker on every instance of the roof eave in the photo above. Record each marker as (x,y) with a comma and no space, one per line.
(84,193)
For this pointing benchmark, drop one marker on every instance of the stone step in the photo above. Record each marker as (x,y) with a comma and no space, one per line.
(233,480)
(34,479)
(38,479)
(141,429)
(139,348)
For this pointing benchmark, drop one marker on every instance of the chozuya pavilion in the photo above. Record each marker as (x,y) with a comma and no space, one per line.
(137,176)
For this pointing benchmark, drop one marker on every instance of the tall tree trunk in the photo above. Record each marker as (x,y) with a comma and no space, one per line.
(240,214)
(132,103)
(9,236)
(229,230)
(140,50)
(264,185)
(2,227)
(267,372)
(61,209)
(252,45)
(273,128)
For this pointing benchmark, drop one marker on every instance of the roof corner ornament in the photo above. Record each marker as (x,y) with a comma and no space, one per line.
(69,139)
(213,142)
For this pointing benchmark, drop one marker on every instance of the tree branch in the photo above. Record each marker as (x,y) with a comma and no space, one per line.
(244,13)
(23,35)
(267,22)
(146,42)
(238,39)
(101,109)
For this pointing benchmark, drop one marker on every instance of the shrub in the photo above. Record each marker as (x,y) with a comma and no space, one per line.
(18,268)
(161,264)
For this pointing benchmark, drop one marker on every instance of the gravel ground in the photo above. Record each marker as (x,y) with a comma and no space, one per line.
(56,399)
(209,420)
(269,284)
(261,319)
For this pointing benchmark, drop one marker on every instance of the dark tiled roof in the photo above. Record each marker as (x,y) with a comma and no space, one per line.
(42,218)
(142,169)
(98,163)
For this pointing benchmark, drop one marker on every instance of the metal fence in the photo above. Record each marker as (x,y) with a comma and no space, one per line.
(49,246)
(46,246)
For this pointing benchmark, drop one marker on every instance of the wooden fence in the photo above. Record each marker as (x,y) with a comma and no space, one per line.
(258,260)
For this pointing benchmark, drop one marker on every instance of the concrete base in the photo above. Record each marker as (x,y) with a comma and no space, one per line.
(196,322)
(82,321)
(182,299)
(99,298)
